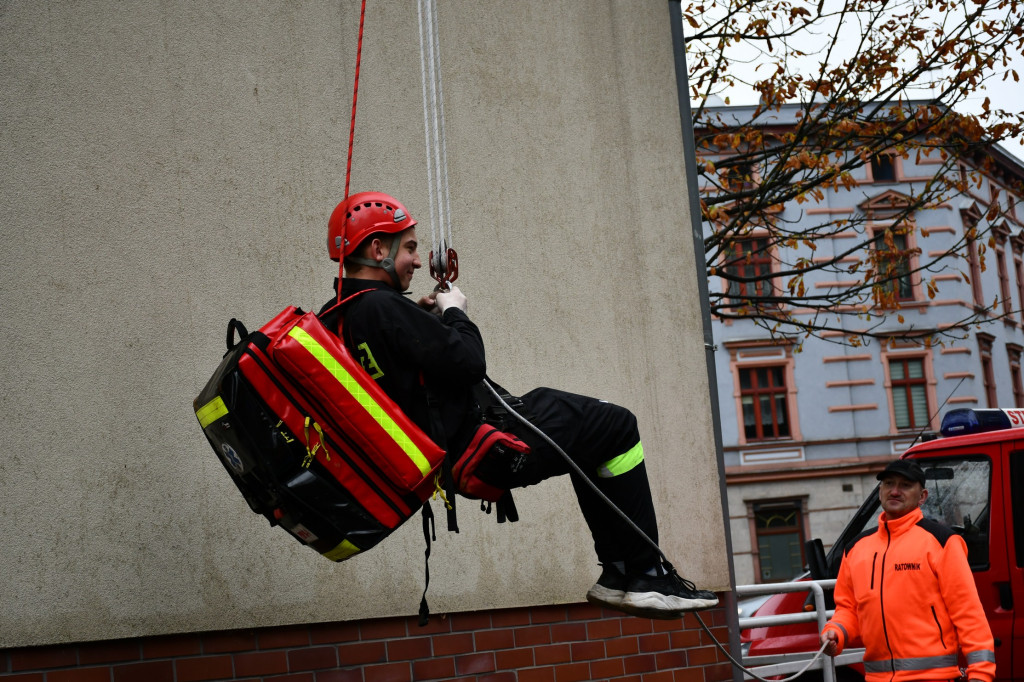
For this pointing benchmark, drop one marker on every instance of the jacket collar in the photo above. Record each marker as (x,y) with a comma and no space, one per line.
(900,525)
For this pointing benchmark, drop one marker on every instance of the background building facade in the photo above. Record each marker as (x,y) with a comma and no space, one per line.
(807,422)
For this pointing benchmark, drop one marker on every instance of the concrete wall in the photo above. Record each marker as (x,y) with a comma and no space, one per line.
(168,165)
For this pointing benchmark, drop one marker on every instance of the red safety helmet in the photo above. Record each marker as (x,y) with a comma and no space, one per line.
(361,215)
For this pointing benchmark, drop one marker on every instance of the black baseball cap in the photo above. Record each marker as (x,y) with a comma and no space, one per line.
(907,468)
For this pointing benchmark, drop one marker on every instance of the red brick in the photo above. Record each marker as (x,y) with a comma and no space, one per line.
(433,669)
(490,640)
(227,642)
(203,668)
(603,629)
(362,653)
(436,625)
(701,656)
(606,669)
(450,645)
(688,675)
(312,658)
(480,620)
(663,676)
(583,612)
(547,614)
(171,646)
(659,642)
(41,658)
(510,618)
(668,625)
(150,671)
(533,636)
(569,632)
(333,633)
(384,628)
(27,677)
(718,673)
(261,663)
(389,672)
(352,675)
(512,659)
(586,651)
(278,638)
(686,639)
(297,677)
(409,649)
(497,677)
(636,626)
(640,664)
(537,675)
(572,672)
(717,635)
(666,660)
(98,674)
(555,653)
(473,664)
(623,646)
(115,651)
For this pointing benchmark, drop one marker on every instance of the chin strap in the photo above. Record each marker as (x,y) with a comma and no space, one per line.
(387,265)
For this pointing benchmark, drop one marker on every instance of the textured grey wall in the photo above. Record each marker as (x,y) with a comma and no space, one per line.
(165,166)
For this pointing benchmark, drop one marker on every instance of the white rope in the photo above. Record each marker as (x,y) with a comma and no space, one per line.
(433,126)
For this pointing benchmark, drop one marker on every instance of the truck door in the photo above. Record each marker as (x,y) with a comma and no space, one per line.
(1010,637)
(968,494)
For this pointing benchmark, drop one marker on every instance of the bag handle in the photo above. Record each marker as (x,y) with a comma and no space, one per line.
(234,325)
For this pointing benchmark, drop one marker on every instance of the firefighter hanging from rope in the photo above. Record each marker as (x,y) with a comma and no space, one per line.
(339,426)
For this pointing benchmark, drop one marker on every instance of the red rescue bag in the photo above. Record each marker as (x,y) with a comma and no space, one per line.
(309,438)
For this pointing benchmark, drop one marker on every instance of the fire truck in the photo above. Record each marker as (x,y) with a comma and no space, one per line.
(975,479)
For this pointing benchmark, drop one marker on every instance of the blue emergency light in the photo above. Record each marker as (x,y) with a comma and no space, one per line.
(969,420)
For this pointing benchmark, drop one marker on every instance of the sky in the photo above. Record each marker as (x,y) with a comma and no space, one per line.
(1007,95)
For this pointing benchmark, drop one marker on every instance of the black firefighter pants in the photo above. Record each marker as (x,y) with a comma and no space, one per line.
(603,440)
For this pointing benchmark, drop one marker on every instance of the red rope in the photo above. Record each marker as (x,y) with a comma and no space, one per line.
(355,97)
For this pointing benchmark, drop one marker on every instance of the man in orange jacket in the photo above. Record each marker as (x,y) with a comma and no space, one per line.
(906,591)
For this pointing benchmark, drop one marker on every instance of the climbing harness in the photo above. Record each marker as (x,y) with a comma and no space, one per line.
(444,261)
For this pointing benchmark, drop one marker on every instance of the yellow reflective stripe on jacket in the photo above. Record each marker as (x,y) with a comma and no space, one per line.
(349,383)
(211,412)
(343,551)
(623,463)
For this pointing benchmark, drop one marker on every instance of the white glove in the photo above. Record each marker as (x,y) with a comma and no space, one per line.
(453,298)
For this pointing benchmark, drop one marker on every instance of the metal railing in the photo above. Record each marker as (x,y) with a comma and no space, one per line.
(787,664)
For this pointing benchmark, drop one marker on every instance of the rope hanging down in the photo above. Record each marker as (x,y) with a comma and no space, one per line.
(444,263)
(355,97)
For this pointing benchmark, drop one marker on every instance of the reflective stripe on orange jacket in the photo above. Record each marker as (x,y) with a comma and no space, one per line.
(907,592)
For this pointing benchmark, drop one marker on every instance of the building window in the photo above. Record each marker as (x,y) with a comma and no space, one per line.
(893,266)
(988,376)
(763,397)
(976,261)
(1018,267)
(779,530)
(883,168)
(909,388)
(750,261)
(1001,269)
(1014,352)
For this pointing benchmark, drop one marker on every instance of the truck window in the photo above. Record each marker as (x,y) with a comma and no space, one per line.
(958,496)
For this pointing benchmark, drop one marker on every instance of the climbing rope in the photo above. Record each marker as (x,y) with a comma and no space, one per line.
(443,260)
(355,98)
(638,530)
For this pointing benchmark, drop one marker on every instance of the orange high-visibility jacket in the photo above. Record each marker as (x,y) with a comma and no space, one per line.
(906,591)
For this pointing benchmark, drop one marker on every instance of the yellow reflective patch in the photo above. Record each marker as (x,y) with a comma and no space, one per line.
(211,412)
(342,551)
(623,463)
(349,383)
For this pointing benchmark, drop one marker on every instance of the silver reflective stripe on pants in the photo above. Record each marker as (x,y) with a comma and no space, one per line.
(911,664)
(981,656)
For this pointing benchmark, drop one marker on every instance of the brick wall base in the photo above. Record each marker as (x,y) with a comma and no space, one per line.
(538,644)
